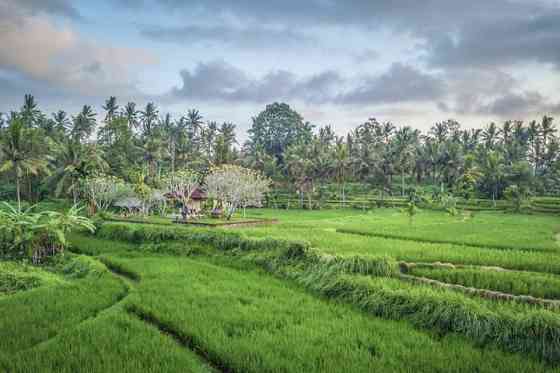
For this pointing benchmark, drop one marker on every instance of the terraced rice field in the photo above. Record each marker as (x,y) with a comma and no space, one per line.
(322,291)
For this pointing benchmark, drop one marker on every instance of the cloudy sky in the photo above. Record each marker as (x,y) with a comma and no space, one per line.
(337,62)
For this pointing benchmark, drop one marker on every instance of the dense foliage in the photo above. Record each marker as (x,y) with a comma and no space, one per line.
(42,155)
(37,234)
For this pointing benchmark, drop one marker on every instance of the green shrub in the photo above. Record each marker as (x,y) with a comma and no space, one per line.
(37,235)
(225,241)
(11,282)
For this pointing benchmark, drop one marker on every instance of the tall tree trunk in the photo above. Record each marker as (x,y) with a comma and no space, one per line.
(18,193)
(173,157)
(402,183)
(74,191)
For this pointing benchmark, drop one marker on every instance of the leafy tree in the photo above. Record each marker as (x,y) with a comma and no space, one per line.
(236,186)
(16,147)
(517,195)
(29,111)
(131,115)
(276,128)
(75,162)
(38,234)
(182,184)
(83,124)
(62,122)
(111,108)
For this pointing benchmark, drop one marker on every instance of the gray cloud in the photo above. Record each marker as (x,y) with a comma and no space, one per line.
(410,14)
(454,33)
(253,36)
(218,80)
(514,104)
(399,84)
(502,42)
(472,88)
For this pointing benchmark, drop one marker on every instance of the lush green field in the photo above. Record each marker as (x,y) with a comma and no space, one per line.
(161,297)
(323,230)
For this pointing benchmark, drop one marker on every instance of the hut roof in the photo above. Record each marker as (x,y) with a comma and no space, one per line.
(199,194)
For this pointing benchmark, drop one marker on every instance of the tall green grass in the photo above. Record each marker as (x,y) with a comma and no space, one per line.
(17,276)
(514,327)
(247,321)
(331,242)
(511,282)
(485,229)
(34,316)
(113,342)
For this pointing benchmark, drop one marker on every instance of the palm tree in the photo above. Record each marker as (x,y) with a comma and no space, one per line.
(149,119)
(171,132)
(404,141)
(131,115)
(194,126)
(83,124)
(62,122)
(440,131)
(547,129)
(341,161)
(490,135)
(29,111)
(299,164)
(507,133)
(493,171)
(533,135)
(111,108)
(16,154)
(76,161)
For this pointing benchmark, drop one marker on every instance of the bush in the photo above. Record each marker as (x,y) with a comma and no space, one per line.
(225,241)
(37,234)
(12,282)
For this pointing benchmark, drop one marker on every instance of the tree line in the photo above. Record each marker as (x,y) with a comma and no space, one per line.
(48,155)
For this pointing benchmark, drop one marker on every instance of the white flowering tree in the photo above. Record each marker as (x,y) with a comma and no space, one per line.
(235,186)
(102,191)
(182,184)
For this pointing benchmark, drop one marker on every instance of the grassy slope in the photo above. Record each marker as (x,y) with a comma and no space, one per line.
(16,277)
(251,322)
(512,282)
(113,342)
(319,227)
(486,228)
(79,325)
(244,319)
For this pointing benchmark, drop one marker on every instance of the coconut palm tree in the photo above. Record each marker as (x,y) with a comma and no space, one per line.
(29,111)
(83,124)
(76,161)
(62,122)
(149,118)
(16,154)
(110,108)
(404,141)
(547,129)
(341,163)
(194,125)
(492,167)
(490,135)
(535,143)
(131,115)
